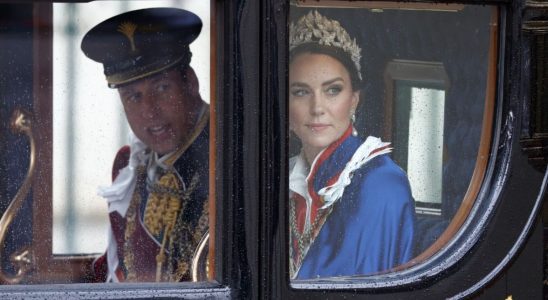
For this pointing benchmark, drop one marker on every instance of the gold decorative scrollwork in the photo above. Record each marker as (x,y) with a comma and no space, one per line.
(22,260)
(199,267)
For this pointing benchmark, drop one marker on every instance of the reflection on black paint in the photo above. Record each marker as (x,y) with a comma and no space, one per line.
(15,91)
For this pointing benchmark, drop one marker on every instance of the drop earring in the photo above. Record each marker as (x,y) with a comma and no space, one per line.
(353,120)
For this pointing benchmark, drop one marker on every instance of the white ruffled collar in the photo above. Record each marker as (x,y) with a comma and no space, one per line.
(371,148)
(300,174)
(119,194)
(298,181)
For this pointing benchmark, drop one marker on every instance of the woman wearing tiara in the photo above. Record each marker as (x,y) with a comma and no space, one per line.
(351,209)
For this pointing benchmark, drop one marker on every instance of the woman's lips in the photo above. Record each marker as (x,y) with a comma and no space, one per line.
(318,127)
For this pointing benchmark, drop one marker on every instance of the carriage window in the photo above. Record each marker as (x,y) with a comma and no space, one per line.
(415,100)
(425,139)
(119,144)
(390,115)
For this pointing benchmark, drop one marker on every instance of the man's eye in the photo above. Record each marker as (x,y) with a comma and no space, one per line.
(162,87)
(334,90)
(299,92)
(133,98)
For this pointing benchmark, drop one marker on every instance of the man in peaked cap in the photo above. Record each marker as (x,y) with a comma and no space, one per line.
(158,201)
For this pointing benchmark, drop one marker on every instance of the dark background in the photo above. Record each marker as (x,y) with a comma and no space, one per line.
(15,92)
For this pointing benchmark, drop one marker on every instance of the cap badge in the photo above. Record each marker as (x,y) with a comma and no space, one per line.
(128,29)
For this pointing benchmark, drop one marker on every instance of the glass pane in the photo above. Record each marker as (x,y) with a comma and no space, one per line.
(163,112)
(419,113)
(426,140)
(417,76)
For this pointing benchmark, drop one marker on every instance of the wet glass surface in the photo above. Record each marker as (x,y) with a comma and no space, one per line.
(426,86)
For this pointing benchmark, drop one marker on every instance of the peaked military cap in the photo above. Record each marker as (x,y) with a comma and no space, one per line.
(142,42)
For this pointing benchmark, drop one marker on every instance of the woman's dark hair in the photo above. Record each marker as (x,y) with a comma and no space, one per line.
(335,52)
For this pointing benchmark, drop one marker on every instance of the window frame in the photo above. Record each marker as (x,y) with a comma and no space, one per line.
(458,270)
(252,175)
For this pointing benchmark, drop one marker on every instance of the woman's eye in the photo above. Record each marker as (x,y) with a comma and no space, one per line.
(333,90)
(299,92)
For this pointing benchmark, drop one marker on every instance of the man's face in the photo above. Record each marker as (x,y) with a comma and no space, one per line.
(161,110)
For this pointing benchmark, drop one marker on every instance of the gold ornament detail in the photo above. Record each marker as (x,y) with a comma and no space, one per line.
(186,240)
(304,239)
(163,204)
(315,28)
(128,29)
(129,259)
(179,238)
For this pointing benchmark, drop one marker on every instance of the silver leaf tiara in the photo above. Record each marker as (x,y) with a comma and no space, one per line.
(315,28)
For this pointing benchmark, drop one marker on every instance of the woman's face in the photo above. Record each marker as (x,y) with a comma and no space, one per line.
(321,100)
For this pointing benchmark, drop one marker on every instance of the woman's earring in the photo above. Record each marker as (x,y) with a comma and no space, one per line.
(353,119)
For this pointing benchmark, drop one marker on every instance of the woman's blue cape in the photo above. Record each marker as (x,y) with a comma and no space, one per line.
(371,227)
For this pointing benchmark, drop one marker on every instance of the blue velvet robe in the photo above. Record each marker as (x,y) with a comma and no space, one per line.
(370,229)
